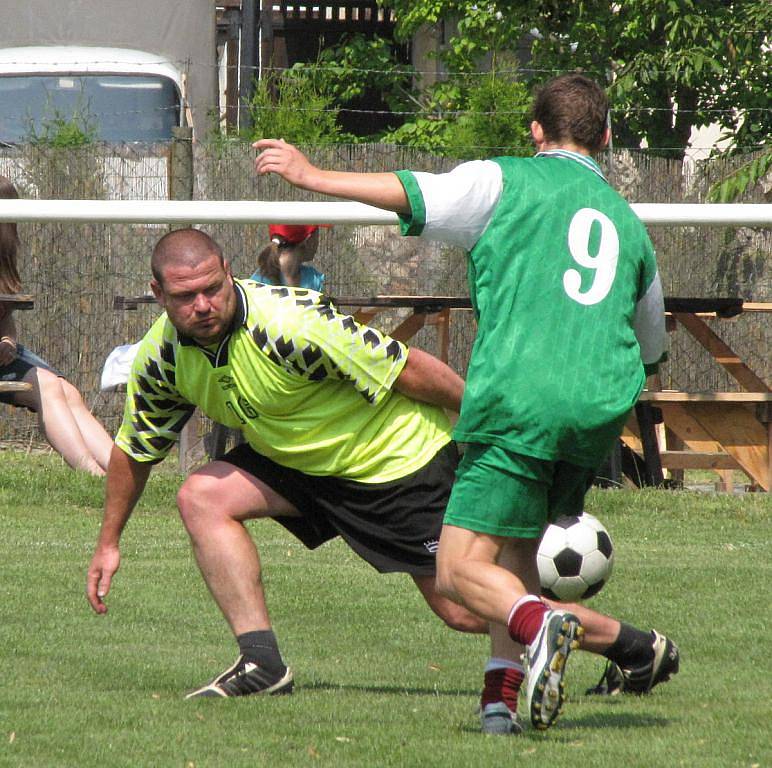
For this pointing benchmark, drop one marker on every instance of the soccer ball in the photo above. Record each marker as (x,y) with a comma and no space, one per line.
(575,558)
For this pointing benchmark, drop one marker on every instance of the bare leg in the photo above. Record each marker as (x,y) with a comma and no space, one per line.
(468,572)
(94,435)
(455,616)
(56,420)
(600,631)
(214,502)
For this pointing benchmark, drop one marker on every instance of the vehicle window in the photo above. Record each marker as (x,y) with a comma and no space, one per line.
(116,107)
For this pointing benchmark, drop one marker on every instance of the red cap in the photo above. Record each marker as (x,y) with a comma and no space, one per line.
(293,233)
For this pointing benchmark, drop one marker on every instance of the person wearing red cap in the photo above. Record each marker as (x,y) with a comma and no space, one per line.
(282,261)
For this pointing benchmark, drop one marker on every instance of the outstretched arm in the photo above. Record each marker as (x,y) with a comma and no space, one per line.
(428,379)
(383,190)
(126,480)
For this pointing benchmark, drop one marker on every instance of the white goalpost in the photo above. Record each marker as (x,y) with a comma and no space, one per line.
(299,212)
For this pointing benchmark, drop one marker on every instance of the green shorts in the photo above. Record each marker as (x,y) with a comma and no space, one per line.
(509,494)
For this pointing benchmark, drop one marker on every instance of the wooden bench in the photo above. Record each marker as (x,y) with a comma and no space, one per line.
(723,431)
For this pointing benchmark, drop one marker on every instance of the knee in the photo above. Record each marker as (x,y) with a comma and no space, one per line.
(444,582)
(462,620)
(48,385)
(71,394)
(196,501)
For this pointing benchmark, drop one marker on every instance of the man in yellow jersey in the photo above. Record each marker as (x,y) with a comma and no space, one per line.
(345,435)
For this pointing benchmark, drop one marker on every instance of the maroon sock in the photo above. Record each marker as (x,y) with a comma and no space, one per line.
(502,685)
(524,623)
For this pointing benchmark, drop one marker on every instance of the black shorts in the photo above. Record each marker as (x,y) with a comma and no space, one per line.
(21,365)
(394,526)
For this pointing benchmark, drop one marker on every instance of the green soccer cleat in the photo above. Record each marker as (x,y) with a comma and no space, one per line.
(546,660)
(245,678)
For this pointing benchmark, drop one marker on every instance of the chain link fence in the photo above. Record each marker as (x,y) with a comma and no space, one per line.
(74,271)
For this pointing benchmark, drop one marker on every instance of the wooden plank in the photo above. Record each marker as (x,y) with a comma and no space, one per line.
(15,386)
(737,431)
(18,300)
(757,306)
(427,303)
(697,460)
(722,353)
(723,307)
(442,321)
(409,327)
(672,396)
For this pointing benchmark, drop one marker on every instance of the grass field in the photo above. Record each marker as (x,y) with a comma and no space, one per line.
(379,681)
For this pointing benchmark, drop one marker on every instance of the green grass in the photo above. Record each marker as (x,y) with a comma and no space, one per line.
(379,681)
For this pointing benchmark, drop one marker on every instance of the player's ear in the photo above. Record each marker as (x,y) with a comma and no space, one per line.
(158,291)
(606,137)
(537,133)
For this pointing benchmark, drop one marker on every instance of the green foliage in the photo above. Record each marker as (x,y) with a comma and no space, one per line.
(293,106)
(359,65)
(672,64)
(740,181)
(471,117)
(63,131)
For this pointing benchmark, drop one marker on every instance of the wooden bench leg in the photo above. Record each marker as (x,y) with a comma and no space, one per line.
(646,423)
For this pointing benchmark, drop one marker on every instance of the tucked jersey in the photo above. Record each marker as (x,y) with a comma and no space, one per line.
(307,386)
(563,279)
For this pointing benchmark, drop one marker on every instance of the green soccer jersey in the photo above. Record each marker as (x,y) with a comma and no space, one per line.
(559,269)
(307,386)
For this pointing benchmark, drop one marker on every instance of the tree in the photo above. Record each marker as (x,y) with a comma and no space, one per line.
(670,64)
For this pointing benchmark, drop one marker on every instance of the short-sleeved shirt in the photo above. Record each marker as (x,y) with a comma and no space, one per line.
(564,281)
(310,277)
(308,387)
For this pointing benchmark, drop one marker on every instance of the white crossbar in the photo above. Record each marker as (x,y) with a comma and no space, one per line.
(259,212)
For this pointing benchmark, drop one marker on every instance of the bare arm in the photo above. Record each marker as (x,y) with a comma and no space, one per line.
(429,380)
(7,339)
(126,480)
(383,190)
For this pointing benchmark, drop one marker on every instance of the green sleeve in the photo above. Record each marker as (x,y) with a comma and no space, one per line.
(416,221)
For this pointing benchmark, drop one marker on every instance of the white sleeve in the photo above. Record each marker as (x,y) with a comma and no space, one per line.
(649,323)
(459,204)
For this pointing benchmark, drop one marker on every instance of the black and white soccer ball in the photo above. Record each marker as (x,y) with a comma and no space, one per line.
(575,558)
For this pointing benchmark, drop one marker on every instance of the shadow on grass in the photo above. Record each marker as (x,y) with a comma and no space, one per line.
(564,730)
(400,690)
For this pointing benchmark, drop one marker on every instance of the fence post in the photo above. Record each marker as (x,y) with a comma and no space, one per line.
(181,164)
(181,188)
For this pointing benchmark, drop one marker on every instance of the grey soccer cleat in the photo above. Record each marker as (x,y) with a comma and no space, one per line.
(640,680)
(546,658)
(498,719)
(244,678)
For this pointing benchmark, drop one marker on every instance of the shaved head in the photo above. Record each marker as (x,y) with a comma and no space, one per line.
(182,248)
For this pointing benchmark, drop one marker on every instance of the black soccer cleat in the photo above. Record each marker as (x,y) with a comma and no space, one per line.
(640,680)
(244,678)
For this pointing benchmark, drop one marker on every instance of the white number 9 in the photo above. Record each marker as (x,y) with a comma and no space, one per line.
(604,263)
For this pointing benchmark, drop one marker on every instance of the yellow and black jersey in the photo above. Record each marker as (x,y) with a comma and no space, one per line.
(308,387)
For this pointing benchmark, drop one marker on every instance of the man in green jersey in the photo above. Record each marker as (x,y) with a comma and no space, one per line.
(569,304)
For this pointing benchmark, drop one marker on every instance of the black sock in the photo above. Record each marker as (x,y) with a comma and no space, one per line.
(261,648)
(632,648)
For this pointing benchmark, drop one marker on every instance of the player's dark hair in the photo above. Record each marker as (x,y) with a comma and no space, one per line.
(182,246)
(10,282)
(572,108)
